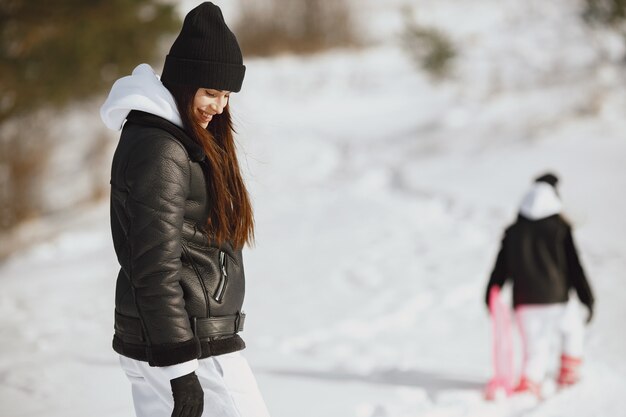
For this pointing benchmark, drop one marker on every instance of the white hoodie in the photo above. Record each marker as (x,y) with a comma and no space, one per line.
(540,202)
(143,90)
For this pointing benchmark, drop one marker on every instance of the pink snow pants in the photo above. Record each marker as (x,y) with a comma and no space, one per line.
(230,389)
(547,331)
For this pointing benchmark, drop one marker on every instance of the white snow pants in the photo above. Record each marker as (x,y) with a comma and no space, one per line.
(230,389)
(544,326)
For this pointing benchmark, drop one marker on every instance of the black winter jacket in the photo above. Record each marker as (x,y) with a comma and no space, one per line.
(178,294)
(540,257)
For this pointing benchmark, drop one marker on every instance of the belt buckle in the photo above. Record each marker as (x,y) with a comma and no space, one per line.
(237,321)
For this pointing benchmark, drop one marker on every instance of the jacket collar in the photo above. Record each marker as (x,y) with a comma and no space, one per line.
(195,151)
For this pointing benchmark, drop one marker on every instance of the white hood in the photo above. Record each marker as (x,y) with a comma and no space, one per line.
(540,202)
(143,90)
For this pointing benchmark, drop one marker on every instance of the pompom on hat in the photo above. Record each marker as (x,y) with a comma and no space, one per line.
(548,178)
(205,53)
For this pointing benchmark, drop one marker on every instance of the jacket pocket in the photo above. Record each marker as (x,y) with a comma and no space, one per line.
(193,265)
(211,267)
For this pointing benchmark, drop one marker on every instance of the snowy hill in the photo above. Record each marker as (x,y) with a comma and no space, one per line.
(380,198)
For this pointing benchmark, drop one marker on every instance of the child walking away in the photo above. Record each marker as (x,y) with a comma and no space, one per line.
(539,256)
(180,217)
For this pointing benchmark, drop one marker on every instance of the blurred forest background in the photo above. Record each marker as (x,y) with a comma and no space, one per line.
(59,56)
(54,55)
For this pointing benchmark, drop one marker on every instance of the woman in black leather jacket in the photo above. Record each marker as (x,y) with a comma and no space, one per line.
(180,215)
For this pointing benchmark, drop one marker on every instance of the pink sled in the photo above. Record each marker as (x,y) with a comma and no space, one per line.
(501,384)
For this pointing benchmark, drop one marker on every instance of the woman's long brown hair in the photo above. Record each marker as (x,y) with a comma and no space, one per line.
(230,210)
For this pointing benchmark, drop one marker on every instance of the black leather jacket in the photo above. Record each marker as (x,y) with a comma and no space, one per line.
(540,257)
(178,294)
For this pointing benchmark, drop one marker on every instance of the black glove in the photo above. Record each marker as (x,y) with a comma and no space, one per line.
(188,396)
(590,308)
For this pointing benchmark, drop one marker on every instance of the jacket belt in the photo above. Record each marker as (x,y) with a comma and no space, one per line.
(203,327)
(128,327)
(209,327)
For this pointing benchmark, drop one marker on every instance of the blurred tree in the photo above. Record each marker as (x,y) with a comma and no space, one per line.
(269,27)
(54,52)
(429,48)
(612,12)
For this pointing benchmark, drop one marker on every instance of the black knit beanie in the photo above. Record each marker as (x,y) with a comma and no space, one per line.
(205,53)
(549,178)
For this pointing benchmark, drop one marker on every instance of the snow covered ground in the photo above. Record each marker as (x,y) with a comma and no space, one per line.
(380,198)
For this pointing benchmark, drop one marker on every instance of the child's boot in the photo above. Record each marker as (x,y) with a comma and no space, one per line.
(527,385)
(570,370)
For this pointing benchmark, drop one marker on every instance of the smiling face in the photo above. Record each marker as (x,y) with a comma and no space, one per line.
(207,103)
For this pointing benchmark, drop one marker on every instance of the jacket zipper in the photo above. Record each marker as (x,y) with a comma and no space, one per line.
(221,288)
